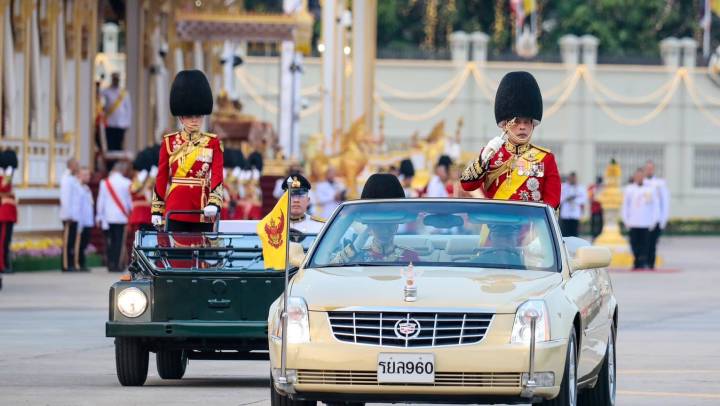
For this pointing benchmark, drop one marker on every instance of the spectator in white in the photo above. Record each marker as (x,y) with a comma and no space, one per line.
(84,213)
(437,187)
(661,189)
(327,194)
(278,190)
(113,206)
(68,185)
(573,198)
(118,113)
(640,212)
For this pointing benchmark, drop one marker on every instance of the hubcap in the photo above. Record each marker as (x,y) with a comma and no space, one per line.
(572,384)
(611,367)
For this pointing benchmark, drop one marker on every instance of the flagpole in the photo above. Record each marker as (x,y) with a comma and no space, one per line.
(707,22)
(283,351)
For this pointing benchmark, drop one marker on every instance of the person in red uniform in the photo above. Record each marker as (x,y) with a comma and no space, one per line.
(190,166)
(8,207)
(143,182)
(231,183)
(509,167)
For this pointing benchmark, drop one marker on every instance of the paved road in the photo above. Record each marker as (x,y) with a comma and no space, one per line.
(53,350)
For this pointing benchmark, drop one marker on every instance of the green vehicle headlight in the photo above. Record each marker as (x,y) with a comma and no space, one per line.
(131,302)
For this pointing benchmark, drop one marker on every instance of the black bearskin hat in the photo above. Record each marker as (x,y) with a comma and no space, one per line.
(239,158)
(407,169)
(229,158)
(445,161)
(8,158)
(304,183)
(190,94)
(518,95)
(255,161)
(382,186)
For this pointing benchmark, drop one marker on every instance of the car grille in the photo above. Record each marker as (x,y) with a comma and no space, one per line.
(398,329)
(469,379)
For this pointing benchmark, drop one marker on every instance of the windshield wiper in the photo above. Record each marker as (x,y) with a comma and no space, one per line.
(349,264)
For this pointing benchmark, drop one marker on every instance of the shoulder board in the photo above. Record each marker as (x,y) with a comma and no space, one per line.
(318,218)
(171,134)
(211,135)
(543,149)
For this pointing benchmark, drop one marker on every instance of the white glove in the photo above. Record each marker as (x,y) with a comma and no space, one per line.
(142,175)
(157,220)
(491,148)
(153,171)
(210,211)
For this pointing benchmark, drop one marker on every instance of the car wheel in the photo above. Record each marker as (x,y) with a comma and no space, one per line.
(568,388)
(278,399)
(171,364)
(131,361)
(603,394)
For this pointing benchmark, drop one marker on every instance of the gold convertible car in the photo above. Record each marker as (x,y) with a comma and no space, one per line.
(446,301)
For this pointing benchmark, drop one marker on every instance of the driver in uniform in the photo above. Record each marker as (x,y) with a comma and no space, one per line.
(383,247)
(509,167)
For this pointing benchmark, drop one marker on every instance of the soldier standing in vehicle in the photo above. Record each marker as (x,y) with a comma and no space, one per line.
(509,167)
(190,168)
(299,202)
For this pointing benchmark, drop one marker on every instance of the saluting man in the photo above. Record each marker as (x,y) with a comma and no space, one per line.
(510,167)
(299,202)
(190,168)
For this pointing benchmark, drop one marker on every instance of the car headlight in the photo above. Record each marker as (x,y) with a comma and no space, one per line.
(521,326)
(298,323)
(131,302)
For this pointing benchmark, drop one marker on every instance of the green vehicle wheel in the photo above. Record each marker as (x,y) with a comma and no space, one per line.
(171,364)
(131,361)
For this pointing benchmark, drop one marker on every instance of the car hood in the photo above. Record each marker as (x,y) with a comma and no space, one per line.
(497,290)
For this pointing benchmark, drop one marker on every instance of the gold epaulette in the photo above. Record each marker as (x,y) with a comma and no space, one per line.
(543,149)
(318,219)
(171,134)
(211,135)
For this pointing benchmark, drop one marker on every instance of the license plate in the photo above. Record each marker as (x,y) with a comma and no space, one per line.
(406,368)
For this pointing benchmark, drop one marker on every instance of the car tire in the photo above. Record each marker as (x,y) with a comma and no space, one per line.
(131,361)
(278,399)
(171,364)
(603,394)
(568,387)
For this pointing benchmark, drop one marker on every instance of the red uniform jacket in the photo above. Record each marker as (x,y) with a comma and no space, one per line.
(523,172)
(140,213)
(8,207)
(190,175)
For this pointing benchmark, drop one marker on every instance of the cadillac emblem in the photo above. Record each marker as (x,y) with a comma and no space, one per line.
(407,328)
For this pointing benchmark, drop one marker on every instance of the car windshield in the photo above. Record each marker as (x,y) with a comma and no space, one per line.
(438,233)
(175,251)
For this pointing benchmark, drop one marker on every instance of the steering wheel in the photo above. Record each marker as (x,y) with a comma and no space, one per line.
(512,252)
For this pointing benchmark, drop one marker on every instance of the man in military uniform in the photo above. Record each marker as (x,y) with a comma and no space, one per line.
(510,167)
(8,208)
(299,202)
(190,166)
(382,247)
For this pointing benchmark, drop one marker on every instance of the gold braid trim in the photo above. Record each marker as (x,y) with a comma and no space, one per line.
(158,205)
(216,196)
(473,171)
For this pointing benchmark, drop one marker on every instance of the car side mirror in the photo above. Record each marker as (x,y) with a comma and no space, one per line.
(590,258)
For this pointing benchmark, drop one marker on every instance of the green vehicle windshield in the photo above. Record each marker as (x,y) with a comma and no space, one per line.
(209,252)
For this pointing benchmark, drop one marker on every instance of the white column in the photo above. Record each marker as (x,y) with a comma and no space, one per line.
(479,41)
(459,45)
(329,24)
(570,50)
(198,57)
(589,45)
(689,48)
(364,34)
(110,38)
(134,71)
(670,51)
(288,106)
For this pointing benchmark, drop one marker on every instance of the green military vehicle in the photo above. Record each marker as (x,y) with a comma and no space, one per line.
(193,296)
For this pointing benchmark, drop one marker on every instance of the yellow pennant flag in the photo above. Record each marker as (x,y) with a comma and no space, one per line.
(272,230)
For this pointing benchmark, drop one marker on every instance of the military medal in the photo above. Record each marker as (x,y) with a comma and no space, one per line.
(525,195)
(533,184)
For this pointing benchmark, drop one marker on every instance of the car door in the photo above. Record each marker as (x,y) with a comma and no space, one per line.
(579,290)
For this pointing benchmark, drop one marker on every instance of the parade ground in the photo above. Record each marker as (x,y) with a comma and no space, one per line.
(53,349)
